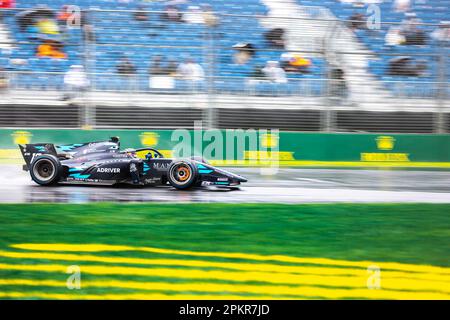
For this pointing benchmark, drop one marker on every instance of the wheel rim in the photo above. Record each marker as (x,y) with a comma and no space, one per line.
(181,173)
(44,170)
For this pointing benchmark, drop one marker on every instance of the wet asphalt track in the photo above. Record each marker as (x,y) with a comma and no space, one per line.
(287,186)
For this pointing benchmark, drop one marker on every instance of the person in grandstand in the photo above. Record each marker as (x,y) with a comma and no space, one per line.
(442,33)
(402,5)
(156,66)
(243,52)
(394,37)
(140,15)
(295,62)
(210,19)
(193,15)
(75,82)
(406,66)
(127,71)
(3,80)
(125,67)
(274,73)
(275,38)
(190,70)
(171,13)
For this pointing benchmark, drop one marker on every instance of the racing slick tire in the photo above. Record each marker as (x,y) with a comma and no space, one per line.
(45,170)
(182,175)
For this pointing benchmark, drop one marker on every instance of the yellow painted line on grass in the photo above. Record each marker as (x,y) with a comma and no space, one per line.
(132,296)
(264,277)
(256,267)
(316,163)
(246,256)
(239,291)
(14,156)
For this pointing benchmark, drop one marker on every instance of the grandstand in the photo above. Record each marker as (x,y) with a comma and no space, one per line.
(347,71)
(119,34)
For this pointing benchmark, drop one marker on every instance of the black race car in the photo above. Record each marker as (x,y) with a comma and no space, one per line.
(102,162)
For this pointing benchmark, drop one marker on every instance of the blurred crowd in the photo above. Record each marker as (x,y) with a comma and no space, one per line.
(49,31)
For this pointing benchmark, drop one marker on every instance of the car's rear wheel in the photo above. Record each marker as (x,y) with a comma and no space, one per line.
(182,175)
(45,170)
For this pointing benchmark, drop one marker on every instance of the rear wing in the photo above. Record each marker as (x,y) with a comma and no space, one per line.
(30,151)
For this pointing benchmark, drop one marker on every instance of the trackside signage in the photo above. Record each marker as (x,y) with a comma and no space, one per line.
(256,147)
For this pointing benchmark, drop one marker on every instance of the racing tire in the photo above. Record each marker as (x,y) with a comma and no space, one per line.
(45,170)
(182,175)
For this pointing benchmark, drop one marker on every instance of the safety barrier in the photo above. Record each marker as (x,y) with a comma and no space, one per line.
(269,147)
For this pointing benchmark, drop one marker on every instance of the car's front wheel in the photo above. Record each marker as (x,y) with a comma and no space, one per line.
(182,174)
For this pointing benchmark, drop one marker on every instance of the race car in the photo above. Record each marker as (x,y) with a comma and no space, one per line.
(103,163)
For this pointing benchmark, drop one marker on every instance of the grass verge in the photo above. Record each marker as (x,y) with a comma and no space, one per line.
(408,234)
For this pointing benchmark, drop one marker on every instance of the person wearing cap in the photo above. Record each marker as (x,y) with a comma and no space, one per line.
(442,33)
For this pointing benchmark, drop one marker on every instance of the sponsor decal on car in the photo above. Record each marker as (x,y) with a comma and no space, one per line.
(108,170)
(161,166)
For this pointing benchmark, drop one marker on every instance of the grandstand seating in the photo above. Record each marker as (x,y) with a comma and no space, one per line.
(428,11)
(118,35)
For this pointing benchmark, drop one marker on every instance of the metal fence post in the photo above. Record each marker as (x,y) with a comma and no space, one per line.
(89,61)
(327,114)
(210,59)
(441,93)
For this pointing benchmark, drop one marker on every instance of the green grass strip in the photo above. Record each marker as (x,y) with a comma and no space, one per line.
(408,233)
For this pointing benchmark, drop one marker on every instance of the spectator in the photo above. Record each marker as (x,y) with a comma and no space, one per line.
(162,77)
(416,37)
(25,19)
(172,67)
(394,37)
(63,14)
(402,5)
(337,85)
(442,33)
(75,81)
(190,70)
(275,38)
(193,15)
(257,72)
(294,62)
(406,66)
(413,35)
(274,73)
(125,67)
(357,21)
(50,49)
(244,52)
(156,67)
(210,19)
(140,14)
(171,13)
(47,26)
(3,80)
